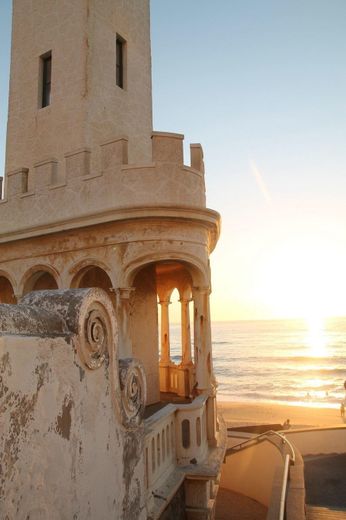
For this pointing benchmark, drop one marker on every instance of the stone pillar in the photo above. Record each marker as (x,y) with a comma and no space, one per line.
(185,333)
(186,377)
(123,300)
(202,334)
(165,359)
(205,381)
(165,345)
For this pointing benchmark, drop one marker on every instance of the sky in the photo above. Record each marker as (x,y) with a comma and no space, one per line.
(261,85)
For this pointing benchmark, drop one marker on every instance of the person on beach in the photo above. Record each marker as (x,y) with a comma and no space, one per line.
(342,410)
(287,424)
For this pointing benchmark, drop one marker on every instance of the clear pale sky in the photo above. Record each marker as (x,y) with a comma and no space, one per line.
(262,86)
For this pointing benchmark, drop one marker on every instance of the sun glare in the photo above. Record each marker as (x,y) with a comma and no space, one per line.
(301,279)
(316,337)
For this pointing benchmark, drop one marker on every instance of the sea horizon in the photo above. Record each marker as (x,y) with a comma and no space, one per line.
(282,361)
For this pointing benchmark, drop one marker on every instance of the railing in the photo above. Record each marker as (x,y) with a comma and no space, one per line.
(260,438)
(160,448)
(284,487)
(175,436)
(289,458)
(191,431)
(177,379)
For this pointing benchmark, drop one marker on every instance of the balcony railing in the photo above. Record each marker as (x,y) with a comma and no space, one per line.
(176,436)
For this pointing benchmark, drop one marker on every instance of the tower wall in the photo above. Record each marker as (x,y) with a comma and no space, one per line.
(87,107)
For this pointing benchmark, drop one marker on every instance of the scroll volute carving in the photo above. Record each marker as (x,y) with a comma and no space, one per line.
(133,391)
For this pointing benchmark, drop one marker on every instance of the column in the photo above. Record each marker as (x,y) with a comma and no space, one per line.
(123,300)
(203,357)
(165,344)
(165,360)
(202,334)
(185,333)
(186,367)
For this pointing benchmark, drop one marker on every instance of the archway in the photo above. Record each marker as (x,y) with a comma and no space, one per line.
(169,368)
(40,280)
(93,276)
(6,291)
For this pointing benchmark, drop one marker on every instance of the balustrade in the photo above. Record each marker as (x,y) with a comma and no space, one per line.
(176,436)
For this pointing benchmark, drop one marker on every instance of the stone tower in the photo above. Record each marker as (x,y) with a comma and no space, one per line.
(94,199)
(84,44)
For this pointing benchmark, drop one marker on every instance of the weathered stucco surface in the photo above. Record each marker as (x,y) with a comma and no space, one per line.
(64,451)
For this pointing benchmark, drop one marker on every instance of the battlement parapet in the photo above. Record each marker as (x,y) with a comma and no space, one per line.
(86,182)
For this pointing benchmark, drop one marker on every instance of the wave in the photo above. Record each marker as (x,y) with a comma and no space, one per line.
(283,359)
(284,398)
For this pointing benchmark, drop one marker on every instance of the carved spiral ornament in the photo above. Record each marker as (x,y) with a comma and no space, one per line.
(133,390)
(96,337)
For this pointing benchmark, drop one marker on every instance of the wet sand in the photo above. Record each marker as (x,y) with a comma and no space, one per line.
(247,413)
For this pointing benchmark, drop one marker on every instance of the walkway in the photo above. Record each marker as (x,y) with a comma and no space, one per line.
(325,481)
(324,513)
(233,506)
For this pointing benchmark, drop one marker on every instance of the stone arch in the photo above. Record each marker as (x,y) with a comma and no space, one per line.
(39,278)
(198,270)
(88,275)
(6,288)
(82,266)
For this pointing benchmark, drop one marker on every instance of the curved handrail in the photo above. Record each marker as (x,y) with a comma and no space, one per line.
(261,437)
(284,487)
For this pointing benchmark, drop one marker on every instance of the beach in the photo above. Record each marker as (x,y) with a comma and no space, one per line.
(250,413)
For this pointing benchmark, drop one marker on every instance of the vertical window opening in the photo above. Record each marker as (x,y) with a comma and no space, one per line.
(185,433)
(46,67)
(120,61)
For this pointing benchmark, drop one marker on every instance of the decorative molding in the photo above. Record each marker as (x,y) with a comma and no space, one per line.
(97,335)
(133,391)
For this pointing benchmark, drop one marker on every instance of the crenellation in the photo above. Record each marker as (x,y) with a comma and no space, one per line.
(16,183)
(196,154)
(60,185)
(114,152)
(167,147)
(46,173)
(77,163)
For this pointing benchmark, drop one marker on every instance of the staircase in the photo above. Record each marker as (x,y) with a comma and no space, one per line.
(325,483)
(324,513)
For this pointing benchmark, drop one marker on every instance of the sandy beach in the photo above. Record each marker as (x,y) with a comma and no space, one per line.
(247,413)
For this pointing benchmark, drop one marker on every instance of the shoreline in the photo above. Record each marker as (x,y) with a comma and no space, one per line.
(247,413)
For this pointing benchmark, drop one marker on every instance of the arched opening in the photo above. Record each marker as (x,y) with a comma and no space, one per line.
(160,329)
(40,281)
(6,291)
(175,327)
(93,276)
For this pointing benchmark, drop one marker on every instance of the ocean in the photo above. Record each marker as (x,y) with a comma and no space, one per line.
(283,361)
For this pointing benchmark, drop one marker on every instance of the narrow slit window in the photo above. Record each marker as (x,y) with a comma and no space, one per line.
(120,62)
(46,62)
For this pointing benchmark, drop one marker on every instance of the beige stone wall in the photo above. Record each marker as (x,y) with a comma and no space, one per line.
(319,440)
(251,471)
(35,134)
(87,107)
(61,441)
(113,111)
(144,329)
